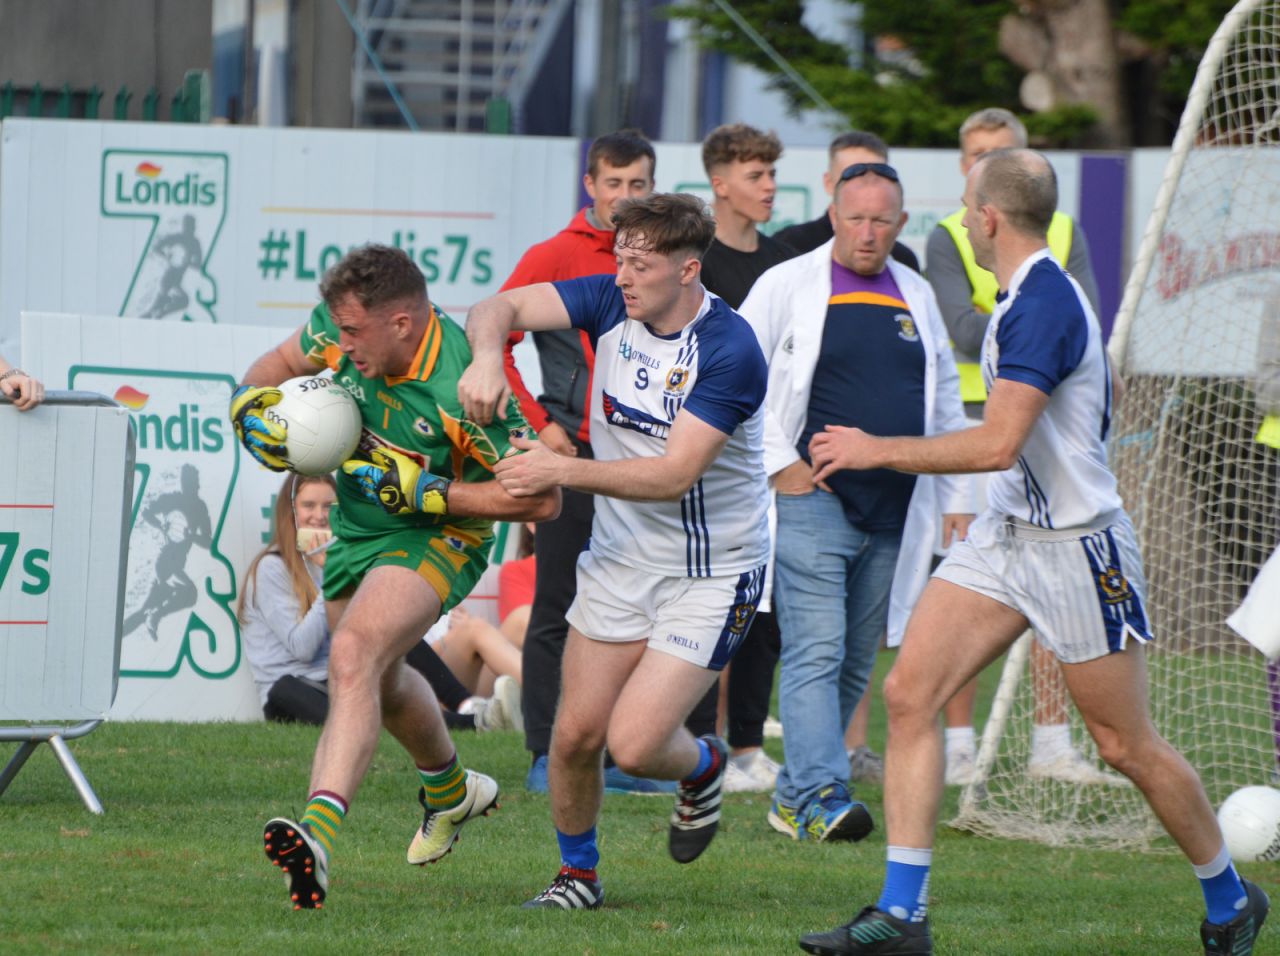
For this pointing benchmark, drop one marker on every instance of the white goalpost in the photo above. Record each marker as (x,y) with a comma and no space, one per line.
(1196,446)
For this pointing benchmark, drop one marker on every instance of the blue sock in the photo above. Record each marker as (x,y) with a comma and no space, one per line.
(906,884)
(705,757)
(1224,894)
(579,852)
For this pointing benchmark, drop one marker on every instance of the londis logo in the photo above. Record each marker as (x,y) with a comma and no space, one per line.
(188,429)
(147,185)
(178,201)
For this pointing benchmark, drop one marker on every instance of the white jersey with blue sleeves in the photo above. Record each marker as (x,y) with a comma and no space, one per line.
(712,368)
(1044,334)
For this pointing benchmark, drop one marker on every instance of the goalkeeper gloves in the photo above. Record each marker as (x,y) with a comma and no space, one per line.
(395,482)
(260,431)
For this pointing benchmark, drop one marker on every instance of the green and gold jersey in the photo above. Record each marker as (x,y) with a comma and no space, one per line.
(418,415)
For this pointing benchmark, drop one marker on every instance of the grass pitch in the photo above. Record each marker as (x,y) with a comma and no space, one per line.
(176,866)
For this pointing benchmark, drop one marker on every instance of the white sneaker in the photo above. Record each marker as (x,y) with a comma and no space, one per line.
(765,769)
(962,768)
(1071,766)
(488,713)
(507,689)
(739,780)
(499,712)
(752,772)
(773,727)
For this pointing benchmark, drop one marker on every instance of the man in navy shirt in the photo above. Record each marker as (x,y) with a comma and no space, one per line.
(851,337)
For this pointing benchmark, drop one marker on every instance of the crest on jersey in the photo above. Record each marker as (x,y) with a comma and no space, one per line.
(677,379)
(1114,586)
(789,344)
(907,330)
(423,427)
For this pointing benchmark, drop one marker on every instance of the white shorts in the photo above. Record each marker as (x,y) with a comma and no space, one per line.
(1082,589)
(700,620)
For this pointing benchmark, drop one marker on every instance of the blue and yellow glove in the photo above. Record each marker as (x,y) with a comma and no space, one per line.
(261,432)
(398,484)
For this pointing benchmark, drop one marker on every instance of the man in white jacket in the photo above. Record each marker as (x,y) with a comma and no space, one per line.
(851,337)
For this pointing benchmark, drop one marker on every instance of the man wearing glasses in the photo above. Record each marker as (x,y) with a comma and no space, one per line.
(852,339)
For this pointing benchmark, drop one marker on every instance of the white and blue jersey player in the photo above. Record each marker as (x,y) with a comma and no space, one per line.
(1054,550)
(643,380)
(1084,598)
(670,580)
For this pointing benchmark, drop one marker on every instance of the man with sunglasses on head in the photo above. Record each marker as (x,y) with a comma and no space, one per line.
(851,337)
(854,146)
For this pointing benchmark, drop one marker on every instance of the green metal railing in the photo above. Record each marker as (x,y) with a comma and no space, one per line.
(190,103)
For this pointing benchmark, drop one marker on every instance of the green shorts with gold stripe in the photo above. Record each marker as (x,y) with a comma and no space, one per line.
(449,559)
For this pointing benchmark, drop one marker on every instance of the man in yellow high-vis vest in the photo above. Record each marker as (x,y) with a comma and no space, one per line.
(966,295)
(967,292)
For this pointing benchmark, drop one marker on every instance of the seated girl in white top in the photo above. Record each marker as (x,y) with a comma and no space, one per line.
(282,615)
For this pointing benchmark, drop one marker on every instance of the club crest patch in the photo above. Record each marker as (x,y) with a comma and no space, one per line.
(1114,586)
(677,379)
(907,330)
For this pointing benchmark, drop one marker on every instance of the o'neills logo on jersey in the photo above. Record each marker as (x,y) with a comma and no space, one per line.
(623,416)
(634,355)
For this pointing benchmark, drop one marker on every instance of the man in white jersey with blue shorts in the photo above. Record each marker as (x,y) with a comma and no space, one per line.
(1054,551)
(670,580)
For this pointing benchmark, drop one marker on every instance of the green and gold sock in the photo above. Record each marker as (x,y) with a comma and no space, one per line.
(444,786)
(323,818)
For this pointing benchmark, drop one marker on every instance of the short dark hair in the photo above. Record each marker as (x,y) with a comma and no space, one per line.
(739,143)
(376,275)
(621,149)
(859,139)
(668,223)
(1020,183)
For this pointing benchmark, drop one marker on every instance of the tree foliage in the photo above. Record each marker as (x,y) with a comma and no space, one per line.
(1175,33)
(949,63)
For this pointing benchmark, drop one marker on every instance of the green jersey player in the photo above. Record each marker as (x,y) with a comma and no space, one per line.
(418,416)
(415,509)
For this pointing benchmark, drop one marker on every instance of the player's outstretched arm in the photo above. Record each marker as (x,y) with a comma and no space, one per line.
(691,448)
(483,387)
(1011,412)
(262,437)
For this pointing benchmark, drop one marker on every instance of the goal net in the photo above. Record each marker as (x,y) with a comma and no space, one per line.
(1197,342)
